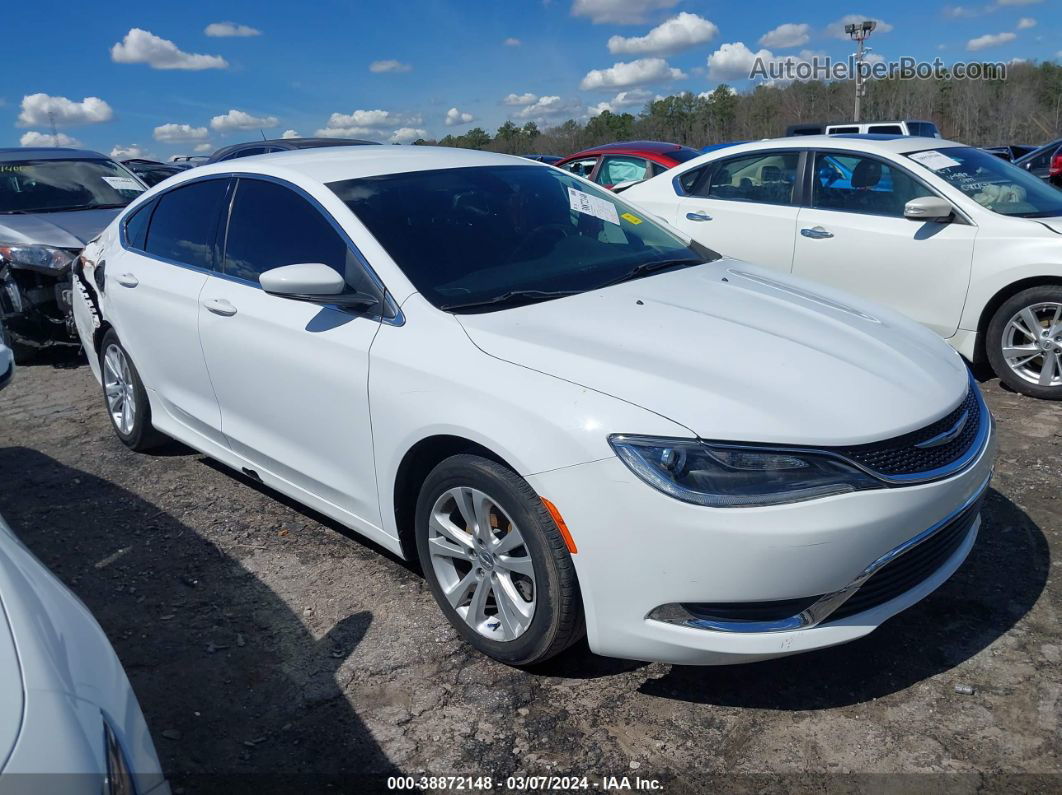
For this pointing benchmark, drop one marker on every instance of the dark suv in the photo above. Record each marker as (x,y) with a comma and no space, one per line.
(1045,162)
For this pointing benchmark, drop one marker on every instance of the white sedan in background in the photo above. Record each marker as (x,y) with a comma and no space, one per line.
(963,242)
(569,414)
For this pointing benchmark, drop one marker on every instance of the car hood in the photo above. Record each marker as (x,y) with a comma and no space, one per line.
(62,230)
(735,352)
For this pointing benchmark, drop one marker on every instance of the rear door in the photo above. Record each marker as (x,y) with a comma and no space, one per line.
(152,289)
(745,207)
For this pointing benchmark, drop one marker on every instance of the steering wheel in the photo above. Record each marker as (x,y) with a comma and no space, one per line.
(562,231)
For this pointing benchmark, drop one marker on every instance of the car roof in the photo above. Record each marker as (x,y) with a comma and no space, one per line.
(333,164)
(648,147)
(895,144)
(10,154)
(1040,150)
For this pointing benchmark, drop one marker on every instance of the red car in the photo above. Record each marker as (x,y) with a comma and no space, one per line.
(630,161)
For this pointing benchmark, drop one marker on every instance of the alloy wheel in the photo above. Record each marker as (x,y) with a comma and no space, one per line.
(1032,344)
(482,564)
(119,390)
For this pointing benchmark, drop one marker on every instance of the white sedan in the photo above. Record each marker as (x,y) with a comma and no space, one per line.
(569,414)
(963,242)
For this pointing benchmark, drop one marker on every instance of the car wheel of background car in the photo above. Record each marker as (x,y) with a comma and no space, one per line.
(1024,342)
(125,397)
(496,562)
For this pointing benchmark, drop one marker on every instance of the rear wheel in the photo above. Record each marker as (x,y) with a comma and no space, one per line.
(1024,342)
(125,397)
(496,563)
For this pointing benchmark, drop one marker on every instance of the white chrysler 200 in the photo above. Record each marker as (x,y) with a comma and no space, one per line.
(570,414)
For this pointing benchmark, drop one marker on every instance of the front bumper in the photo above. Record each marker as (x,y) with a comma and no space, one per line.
(640,550)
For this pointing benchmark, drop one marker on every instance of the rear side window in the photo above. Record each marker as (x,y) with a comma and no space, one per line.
(689,179)
(886,129)
(136,226)
(185,221)
(841,130)
(272,225)
(581,168)
(923,128)
(762,178)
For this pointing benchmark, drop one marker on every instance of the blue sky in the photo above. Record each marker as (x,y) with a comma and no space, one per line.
(176,78)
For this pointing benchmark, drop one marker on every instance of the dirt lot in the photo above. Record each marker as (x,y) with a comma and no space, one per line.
(261,638)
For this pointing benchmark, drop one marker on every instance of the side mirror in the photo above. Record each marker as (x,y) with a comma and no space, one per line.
(928,208)
(314,282)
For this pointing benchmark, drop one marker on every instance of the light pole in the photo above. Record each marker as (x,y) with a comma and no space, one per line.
(859,31)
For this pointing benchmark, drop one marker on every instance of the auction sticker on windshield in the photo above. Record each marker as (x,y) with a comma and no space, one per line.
(934,160)
(591,205)
(123,183)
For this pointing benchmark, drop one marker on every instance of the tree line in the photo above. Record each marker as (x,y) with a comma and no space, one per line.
(1024,108)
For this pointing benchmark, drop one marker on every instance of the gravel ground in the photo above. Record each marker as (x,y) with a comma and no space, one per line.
(262,638)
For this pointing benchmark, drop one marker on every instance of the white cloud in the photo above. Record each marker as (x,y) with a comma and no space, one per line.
(391,65)
(372,124)
(180,133)
(788,35)
(734,61)
(290,134)
(240,120)
(836,29)
(142,46)
(45,109)
(126,152)
(455,116)
(619,12)
(990,40)
(676,34)
(406,134)
(34,138)
(204,147)
(1017,2)
(634,73)
(512,42)
(546,107)
(1026,22)
(624,99)
(520,99)
(226,29)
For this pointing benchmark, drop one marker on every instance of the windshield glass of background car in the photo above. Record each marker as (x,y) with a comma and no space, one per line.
(466,235)
(52,185)
(992,182)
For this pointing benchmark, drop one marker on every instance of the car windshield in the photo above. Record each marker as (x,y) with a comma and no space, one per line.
(32,186)
(476,239)
(992,182)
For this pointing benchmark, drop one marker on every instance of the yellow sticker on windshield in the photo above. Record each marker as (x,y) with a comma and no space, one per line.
(634,219)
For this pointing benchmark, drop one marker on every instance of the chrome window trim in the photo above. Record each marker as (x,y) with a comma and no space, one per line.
(392,316)
(826,604)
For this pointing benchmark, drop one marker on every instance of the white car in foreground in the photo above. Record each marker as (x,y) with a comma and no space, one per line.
(70,723)
(963,242)
(567,412)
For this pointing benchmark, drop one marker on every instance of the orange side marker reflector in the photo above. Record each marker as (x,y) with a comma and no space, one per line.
(564,531)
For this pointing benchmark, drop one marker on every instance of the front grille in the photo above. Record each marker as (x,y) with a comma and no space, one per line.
(913,567)
(900,456)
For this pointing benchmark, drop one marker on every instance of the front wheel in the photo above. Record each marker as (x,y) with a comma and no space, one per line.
(1024,342)
(125,397)
(496,563)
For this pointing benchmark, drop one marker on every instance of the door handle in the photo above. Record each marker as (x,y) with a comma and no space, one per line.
(128,280)
(219,306)
(816,233)
(700,215)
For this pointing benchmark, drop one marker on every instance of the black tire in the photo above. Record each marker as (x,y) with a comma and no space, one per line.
(557,621)
(995,340)
(142,436)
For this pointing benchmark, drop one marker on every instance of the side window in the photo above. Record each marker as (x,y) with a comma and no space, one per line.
(887,129)
(581,168)
(841,130)
(185,221)
(857,184)
(617,169)
(271,225)
(764,178)
(136,226)
(688,180)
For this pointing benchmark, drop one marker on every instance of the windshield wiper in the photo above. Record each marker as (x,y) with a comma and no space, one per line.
(651,267)
(511,298)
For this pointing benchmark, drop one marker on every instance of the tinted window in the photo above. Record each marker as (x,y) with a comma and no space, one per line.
(271,225)
(688,180)
(136,226)
(683,155)
(582,167)
(252,150)
(468,235)
(923,128)
(841,130)
(887,129)
(184,223)
(857,184)
(616,169)
(764,178)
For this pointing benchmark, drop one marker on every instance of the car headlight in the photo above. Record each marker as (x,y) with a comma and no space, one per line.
(46,258)
(731,476)
(119,778)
